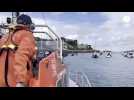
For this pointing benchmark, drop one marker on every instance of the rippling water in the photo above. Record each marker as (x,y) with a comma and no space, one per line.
(117,71)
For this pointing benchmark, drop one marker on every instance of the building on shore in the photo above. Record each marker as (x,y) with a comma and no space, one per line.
(69,43)
(73,45)
(85,47)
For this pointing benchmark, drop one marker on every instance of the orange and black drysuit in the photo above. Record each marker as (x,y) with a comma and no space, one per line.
(15,63)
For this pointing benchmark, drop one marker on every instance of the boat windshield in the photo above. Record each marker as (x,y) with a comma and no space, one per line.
(45,41)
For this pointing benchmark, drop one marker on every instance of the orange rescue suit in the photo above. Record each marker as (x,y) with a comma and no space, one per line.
(19,62)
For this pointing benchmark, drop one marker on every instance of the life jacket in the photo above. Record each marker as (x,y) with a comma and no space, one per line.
(7,51)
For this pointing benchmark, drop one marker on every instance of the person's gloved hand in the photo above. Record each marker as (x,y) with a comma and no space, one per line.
(20,85)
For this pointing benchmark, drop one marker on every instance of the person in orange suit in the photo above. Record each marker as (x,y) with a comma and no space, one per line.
(20,62)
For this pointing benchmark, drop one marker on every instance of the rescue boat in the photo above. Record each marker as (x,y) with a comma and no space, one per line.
(50,71)
(48,68)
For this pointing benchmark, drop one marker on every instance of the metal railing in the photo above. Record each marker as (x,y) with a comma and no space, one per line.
(80,79)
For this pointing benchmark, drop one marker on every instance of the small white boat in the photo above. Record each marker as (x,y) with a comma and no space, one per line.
(130,55)
(108,56)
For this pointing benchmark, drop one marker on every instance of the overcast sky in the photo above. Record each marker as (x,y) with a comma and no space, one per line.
(103,30)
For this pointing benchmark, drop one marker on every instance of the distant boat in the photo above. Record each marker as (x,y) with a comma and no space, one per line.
(109,55)
(101,53)
(72,54)
(94,55)
(129,55)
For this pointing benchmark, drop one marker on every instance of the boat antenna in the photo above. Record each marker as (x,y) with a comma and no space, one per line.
(14,16)
(44,17)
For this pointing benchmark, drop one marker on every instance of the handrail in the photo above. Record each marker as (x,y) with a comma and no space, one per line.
(87,79)
(80,78)
(60,41)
